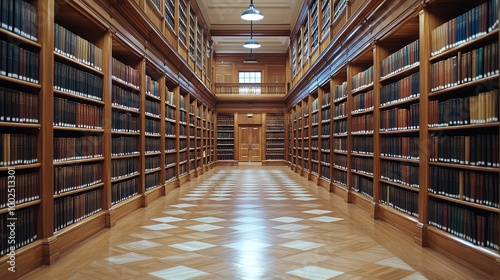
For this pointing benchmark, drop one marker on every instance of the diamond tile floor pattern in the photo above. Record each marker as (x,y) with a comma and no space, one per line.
(240,223)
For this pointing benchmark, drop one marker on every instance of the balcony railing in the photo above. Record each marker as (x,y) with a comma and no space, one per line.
(250,88)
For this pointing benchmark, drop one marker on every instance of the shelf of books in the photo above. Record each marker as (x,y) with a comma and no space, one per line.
(275,139)
(183,162)
(398,81)
(463,128)
(305,163)
(326,141)
(199,138)
(153,157)
(289,138)
(339,132)
(171,128)
(21,120)
(361,129)
(297,138)
(192,136)
(225,139)
(314,137)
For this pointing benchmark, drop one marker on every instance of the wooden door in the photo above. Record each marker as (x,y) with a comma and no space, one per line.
(250,140)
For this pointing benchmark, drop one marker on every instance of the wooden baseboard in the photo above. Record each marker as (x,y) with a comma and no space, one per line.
(22,261)
(273,163)
(227,163)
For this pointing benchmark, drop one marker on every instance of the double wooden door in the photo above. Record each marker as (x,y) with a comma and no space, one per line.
(250,143)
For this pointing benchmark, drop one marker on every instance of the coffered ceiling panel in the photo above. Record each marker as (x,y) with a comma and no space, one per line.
(230,32)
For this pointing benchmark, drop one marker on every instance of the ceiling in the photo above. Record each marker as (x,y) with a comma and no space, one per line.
(230,32)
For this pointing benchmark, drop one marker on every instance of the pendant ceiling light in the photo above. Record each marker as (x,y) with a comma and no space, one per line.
(250,59)
(251,13)
(251,44)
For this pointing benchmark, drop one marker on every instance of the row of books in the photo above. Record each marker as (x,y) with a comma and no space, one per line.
(481,63)
(400,147)
(152,162)
(75,47)
(170,113)
(314,119)
(362,102)
(18,149)
(69,113)
(340,177)
(476,109)
(182,103)
(479,228)
(74,81)
(362,165)
(26,230)
(326,115)
(275,135)
(472,186)
(152,145)
(404,89)
(402,59)
(362,124)
(72,209)
(152,181)
(124,190)
(124,145)
(170,144)
(27,188)
(340,161)
(325,172)
(400,172)
(361,145)
(170,173)
(152,108)
(362,185)
(326,99)
(400,118)
(325,144)
(340,91)
(18,63)
(152,87)
(74,177)
(225,155)
(17,106)
(400,199)
(124,98)
(325,158)
(152,127)
(170,159)
(124,122)
(340,144)
(19,17)
(465,27)
(225,135)
(478,63)
(225,120)
(125,73)
(362,79)
(314,105)
(275,120)
(340,110)
(170,129)
(77,147)
(476,149)
(340,128)
(124,167)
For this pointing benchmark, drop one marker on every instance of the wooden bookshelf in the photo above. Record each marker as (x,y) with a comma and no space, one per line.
(225,139)
(412,144)
(275,139)
(92,119)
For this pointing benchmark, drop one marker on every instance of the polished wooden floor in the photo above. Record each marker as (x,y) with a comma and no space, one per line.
(251,222)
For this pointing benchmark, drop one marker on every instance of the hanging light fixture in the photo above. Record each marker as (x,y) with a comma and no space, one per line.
(250,59)
(251,44)
(251,13)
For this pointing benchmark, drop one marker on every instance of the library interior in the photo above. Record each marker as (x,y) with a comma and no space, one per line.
(242,139)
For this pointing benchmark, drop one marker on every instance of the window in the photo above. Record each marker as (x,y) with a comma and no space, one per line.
(250,78)
(183,21)
(314,24)
(170,13)
(325,16)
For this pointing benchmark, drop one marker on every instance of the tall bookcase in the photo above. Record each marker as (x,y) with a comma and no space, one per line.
(415,128)
(225,138)
(275,138)
(89,126)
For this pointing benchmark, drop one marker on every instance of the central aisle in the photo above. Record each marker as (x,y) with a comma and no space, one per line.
(241,222)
